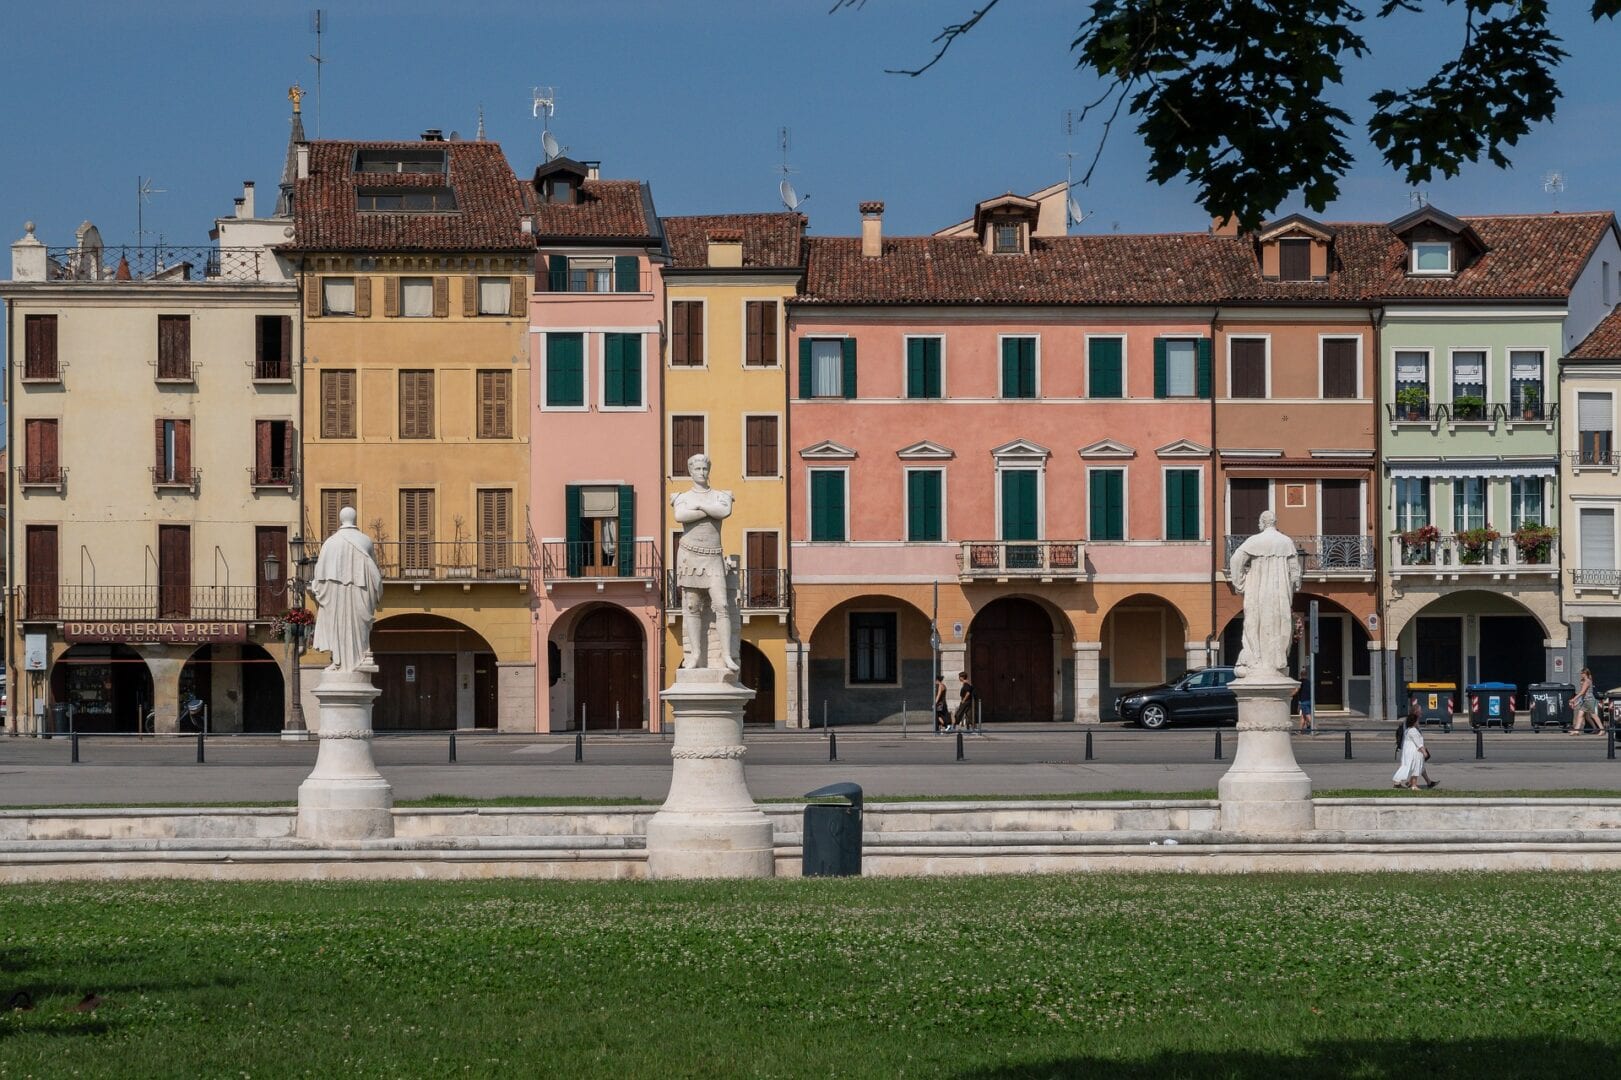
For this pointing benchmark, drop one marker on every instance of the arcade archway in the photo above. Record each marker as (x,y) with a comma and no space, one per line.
(106,687)
(1011,661)
(435,674)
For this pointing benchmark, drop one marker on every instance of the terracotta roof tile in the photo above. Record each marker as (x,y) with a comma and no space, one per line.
(1604,343)
(770,241)
(607,210)
(488,215)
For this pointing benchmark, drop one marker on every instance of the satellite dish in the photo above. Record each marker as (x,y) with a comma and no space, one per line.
(790,198)
(1076,214)
(548,143)
(455,136)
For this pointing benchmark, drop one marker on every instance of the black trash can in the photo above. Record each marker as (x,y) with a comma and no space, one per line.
(60,724)
(832,832)
(1434,702)
(1491,703)
(1550,705)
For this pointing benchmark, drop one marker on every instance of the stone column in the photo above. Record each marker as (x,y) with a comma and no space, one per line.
(345,798)
(1195,655)
(1264,792)
(1376,680)
(1088,682)
(796,666)
(708,826)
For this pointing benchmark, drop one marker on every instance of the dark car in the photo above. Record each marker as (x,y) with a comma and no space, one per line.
(1202,695)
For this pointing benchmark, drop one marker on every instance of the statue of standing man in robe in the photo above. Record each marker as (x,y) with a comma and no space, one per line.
(1266,570)
(707,599)
(349,587)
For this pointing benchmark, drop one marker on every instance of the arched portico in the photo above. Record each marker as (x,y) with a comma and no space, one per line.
(870,658)
(1474,635)
(601,650)
(1018,654)
(1144,643)
(435,673)
(106,687)
(1344,672)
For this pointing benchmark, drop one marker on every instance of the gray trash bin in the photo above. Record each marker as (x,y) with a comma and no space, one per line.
(59,718)
(832,832)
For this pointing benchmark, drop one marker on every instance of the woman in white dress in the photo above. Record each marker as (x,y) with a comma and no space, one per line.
(1412,758)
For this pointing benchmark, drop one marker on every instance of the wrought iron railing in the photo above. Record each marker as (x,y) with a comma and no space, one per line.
(272,370)
(453,560)
(587,560)
(601,281)
(175,371)
(187,479)
(1451,555)
(1591,578)
(758,590)
(139,603)
(32,474)
(1600,456)
(1022,558)
(157,263)
(271,476)
(1327,554)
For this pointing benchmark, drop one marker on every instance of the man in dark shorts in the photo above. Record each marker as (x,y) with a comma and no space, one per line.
(942,711)
(965,702)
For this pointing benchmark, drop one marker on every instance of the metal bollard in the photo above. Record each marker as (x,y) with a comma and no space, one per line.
(199,748)
(833,746)
(1347,744)
(76,747)
(959,746)
(1218,744)
(579,747)
(453,748)
(1480,744)
(1609,747)
(1088,746)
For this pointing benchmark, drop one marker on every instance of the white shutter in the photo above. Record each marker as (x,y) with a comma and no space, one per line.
(1469,369)
(1525,366)
(1593,412)
(1598,540)
(1412,367)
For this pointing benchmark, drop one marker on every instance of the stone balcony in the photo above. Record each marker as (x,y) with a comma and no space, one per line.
(1024,560)
(1447,559)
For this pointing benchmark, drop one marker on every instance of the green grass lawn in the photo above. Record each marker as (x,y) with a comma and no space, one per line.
(1478,975)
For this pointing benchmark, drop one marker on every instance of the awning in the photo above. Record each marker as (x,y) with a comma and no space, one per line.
(1474,467)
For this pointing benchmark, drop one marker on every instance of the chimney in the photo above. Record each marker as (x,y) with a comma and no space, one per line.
(725,247)
(593,170)
(247,199)
(872,229)
(1224,226)
(303,152)
(28,261)
(237,212)
(433,135)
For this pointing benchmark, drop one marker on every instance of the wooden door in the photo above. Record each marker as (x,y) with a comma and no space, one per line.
(486,684)
(1246,499)
(1342,507)
(762,589)
(419,692)
(272,596)
(1011,661)
(755,672)
(43,572)
(174,571)
(608,671)
(1440,650)
(1328,691)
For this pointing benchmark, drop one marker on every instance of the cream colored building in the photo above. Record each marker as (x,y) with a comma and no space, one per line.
(1590,532)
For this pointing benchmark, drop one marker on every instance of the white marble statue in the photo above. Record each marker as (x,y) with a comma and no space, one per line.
(1266,570)
(707,598)
(349,587)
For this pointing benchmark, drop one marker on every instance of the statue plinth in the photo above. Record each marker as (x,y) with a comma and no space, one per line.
(708,826)
(1265,792)
(345,798)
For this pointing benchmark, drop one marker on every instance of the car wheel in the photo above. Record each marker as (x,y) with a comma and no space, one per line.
(1154,717)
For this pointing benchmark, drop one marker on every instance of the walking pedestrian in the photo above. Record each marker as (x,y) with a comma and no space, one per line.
(942,711)
(1585,704)
(1307,725)
(1414,756)
(965,702)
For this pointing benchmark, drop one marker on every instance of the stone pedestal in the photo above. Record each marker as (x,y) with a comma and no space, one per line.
(1265,792)
(708,826)
(345,798)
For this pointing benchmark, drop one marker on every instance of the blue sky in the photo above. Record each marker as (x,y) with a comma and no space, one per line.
(687,95)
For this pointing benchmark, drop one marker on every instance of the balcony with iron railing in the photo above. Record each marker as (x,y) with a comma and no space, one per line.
(49,475)
(1545,413)
(1594,455)
(598,282)
(143,603)
(1455,557)
(43,370)
(174,372)
(591,561)
(272,476)
(1597,579)
(1001,560)
(758,591)
(170,479)
(165,264)
(273,371)
(455,561)
(1324,556)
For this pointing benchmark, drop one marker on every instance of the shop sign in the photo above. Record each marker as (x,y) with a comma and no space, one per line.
(167,632)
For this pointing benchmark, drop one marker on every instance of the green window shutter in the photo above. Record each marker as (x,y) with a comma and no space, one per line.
(1202,378)
(1019,367)
(613,370)
(1173,505)
(1182,504)
(1027,367)
(849,367)
(571,526)
(804,367)
(632,358)
(916,376)
(627,531)
(827,505)
(923,506)
(1106,504)
(557,273)
(931,368)
(1018,504)
(1115,511)
(1159,367)
(1104,363)
(627,273)
(1010,364)
(565,369)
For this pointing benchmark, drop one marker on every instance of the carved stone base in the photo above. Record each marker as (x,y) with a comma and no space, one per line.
(345,798)
(708,826)
(1265,792)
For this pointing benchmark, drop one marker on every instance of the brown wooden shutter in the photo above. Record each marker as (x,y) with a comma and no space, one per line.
(42,571)
(261,451)
(261,324)
(469,297)
(753,344)
(162,473)
(312,297)
(50,446)
(286,354)
(520,298)
(32,466)
(751,446)
(391,297)
(174,346)
(760,438)
(174,571)
(337,404)
(332,501)
(768,333)
(686,439)
(680,318)
(494,408)
(182,451)
(289,443)
(494,528)
(1248,368)
(441,297)
(1339,368)
(363,297)
(39,349)
(416,404)
(416,528)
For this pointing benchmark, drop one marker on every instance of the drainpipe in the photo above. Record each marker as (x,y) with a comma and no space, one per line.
(1376,319)
(662,625)
(1215,461)
(12,671)
(790,357)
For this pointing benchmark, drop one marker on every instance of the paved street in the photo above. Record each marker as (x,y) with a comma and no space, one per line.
(780,765)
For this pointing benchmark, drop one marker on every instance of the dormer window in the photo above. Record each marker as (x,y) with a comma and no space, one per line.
(406,199)
(1294,260)
(1432,257)
(1005,240)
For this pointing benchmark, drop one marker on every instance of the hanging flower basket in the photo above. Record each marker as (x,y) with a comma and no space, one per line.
(1475,545)
(293,623)
(1535,543)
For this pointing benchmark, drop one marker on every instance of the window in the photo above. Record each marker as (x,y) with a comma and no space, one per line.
(1597,529)
(872,648)
(1183,520)
(1525,397)
(621,371)
(1525,501)
(760,452)
(413,200)
(494,529)
(1594,423)
(590,275)
(495,296)
(1181,367)
(174,347)
(1021,503)
(1469,385)
(39,348)
(760,334)
(42,463)
(1432,258)
(273,453)
(925,522)
(337,296)
(1468,503)
(827,505)
(1340,368)
(1247,357)
(416,531)
(407,160)
(1005,240)
(416,404)
(332,501)
(1105,367)
(827,367)
(1412,502)
(273,347)
(1294,260)
(597,274)
(42,571)
(1106,501)
(687,333)
(338,404)
(565,371)
(1413,384)
(173,457)
(601,524)
(495,404)
(923,367)
(270,597)
(416,297)
(1019,367)
(686,439)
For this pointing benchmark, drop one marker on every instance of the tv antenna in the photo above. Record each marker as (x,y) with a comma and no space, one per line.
(785,188)
(543,103)
(143,194)
(1553,183)
(1073,214)
(1419,198)
(318,28)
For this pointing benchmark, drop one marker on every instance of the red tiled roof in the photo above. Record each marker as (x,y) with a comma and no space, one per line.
(770,241)
(1532,257)
(489,203)
(607,210)
(1604,343)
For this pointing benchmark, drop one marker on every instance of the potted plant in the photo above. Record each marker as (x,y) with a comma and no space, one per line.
(1475,545)
(1418,545)
(1530,403)
(1468,407)
(1535,543)
(292,624)
(1414,402)
(458,568)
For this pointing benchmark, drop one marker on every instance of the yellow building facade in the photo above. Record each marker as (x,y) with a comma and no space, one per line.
(725,395)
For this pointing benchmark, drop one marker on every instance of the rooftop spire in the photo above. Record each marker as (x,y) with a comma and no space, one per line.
(289,169)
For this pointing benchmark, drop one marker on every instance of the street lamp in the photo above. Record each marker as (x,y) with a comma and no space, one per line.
(294,588)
